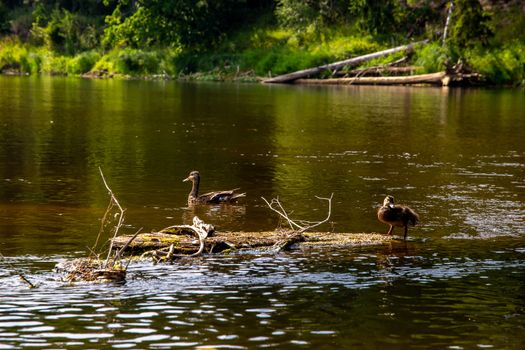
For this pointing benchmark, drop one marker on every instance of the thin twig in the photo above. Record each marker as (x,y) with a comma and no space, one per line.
(103,223)
(118,254)
(21,275)
(298,226)
(281,212)
(120,219)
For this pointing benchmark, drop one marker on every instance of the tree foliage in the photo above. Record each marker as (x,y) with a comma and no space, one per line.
(470,24)
(184,22)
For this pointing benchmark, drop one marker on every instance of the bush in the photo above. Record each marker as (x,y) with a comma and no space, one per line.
(131,62)
(82,63)
(17,57)
(54,65)
(431,58)
(499,65)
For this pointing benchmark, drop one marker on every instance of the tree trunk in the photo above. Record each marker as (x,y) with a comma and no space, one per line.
(433,78)
(286,78)
(447,22)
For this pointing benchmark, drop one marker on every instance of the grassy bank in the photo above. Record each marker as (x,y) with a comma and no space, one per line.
(254,54)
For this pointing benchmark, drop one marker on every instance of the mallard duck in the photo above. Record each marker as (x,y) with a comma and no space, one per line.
(215,197)
(396,215)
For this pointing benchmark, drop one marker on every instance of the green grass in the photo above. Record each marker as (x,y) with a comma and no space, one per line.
(257,52)
(15,56)
(505,65)
(430,58)
(83,62)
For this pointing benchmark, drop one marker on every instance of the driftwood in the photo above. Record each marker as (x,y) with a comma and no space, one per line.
(22,277)
(158,245)
(439,79)
(90,270)
(298,226)
(199,229)
(377,71)
(432,78)
(290,77)
(93,268)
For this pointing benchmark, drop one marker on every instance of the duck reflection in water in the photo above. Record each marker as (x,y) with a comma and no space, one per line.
(215,197)
(396,215)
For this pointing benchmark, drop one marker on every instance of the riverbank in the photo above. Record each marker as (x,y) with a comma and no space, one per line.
(265,55)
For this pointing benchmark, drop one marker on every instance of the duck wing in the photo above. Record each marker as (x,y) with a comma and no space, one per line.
(221,196)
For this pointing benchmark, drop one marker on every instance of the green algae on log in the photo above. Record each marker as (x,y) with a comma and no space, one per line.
(221,241)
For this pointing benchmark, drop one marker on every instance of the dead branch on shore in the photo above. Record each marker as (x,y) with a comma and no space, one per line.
(391,68)
(290,77)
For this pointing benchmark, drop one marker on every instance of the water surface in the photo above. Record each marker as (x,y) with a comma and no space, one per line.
(456,156)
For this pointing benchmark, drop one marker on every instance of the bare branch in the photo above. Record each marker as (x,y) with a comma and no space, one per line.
(117,256)
(120,219)
(20,274)
(298,226)
(282,212)
(199,229)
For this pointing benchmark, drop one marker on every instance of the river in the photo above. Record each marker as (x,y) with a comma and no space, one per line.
(456,156)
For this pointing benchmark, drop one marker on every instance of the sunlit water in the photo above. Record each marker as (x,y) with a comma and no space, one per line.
(456,156)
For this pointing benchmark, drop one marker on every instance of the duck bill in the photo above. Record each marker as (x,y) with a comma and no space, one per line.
(186,179)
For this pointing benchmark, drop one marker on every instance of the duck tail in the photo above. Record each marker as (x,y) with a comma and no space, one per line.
(413,217)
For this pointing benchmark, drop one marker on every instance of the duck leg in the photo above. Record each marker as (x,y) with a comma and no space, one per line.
(390,230)
(406,231)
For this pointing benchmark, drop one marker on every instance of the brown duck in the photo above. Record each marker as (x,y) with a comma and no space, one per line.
(215,197)
(396,215)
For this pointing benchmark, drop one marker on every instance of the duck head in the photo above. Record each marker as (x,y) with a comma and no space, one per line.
(388,202)
(193,177)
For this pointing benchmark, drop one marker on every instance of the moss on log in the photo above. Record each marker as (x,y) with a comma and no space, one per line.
(221,241)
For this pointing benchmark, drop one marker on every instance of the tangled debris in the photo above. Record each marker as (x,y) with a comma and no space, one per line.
(94,268)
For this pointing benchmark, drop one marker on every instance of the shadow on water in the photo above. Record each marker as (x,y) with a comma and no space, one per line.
(456,156)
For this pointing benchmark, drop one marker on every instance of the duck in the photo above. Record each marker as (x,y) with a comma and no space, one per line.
(215,197)
(396,215)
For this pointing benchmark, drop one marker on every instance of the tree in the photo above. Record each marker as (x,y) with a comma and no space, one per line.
(184,22)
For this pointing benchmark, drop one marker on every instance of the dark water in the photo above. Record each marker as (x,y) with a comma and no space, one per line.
(456,156)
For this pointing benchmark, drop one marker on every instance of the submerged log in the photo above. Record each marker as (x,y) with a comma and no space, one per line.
(226,241)
(286,78)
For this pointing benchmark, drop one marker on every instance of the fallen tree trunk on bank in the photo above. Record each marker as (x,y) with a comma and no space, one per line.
(433,79)
(377,71)
(440,79)
(290,77)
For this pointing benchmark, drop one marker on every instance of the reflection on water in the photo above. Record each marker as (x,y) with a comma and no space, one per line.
(456,156)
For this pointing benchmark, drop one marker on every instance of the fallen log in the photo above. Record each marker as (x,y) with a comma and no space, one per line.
(161,243)
(432,78)
(440,79)
(286,78)
(377,71)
